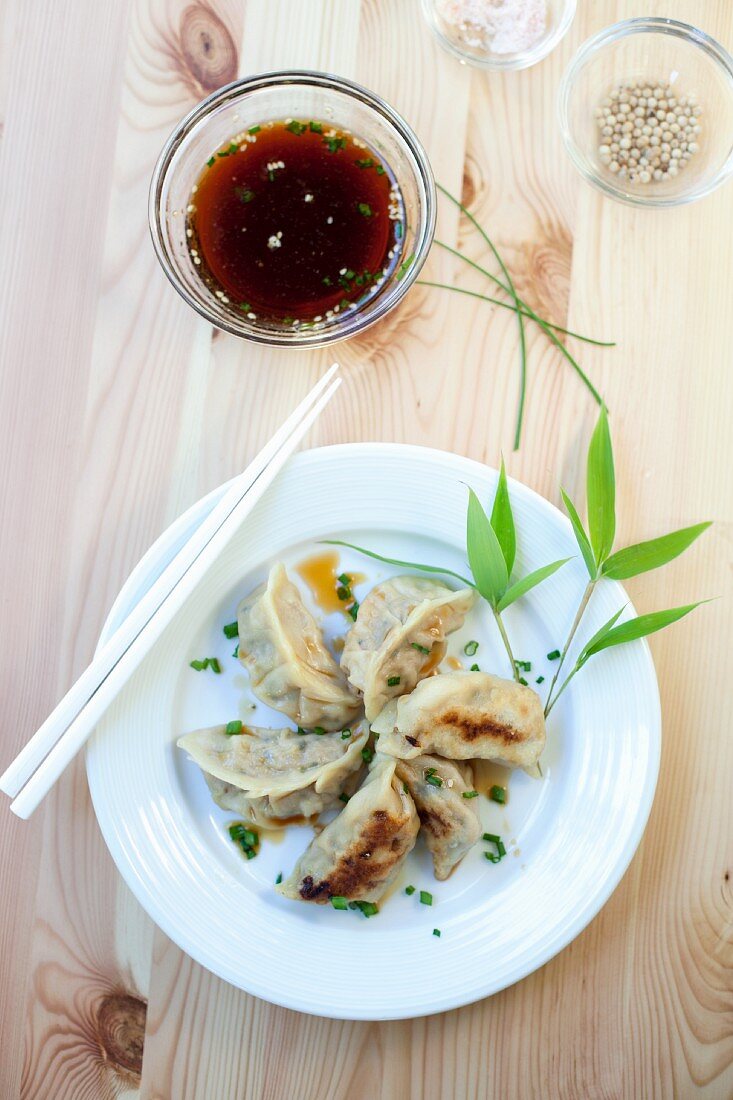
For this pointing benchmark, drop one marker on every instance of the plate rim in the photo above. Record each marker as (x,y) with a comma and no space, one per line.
(156,553)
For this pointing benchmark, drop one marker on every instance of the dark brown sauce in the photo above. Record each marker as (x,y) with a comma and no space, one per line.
(488,774)
(294,221)
(321,573)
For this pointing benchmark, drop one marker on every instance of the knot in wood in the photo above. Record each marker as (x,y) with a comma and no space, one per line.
(121,1031)
(207,48)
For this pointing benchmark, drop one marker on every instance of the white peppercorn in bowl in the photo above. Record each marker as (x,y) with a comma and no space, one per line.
(646,112)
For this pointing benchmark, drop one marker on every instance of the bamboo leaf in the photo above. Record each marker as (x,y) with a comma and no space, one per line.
(600,633)
(404,564)
(484,553)
(580,536)
(526,584)
(502,521)
(643,556)
(639,627)
(601,490)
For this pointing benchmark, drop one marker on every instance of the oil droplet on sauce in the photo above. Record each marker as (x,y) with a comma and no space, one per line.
(454,663)
(321,573)
(488,774)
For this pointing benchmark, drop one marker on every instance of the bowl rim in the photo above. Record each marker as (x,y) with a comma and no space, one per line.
(512,62)
(310,78)
(640,25)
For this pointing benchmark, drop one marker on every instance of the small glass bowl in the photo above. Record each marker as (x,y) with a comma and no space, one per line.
(271,97)
(560,14)
(653,51)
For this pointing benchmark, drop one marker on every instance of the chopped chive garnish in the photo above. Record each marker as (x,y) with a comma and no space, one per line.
(235,652)
(350,275)
(246,838)
(501,849)
(301,730)
(245,307)
(319,730)
(339,903)
(470,794)
(343,592)
(232,149)
(525,666)
(344,578)
(254,129)
(210,161)
(198,665)
(491,838)
(364,209)
(353,610)
(523,681)
(540,680)
(366,163)
(380,170)
(250,853)
(436,932)
(244,194)
(432,777)
(470,648)
(344,798)
(231,630)
(426,898)
(368,908)
(315,127)
(367,754)
(214,665)
(223,153)
(554,655)
(405,267)
(409,890)
(279,879)
(333,144)
(345,734)
(492,857)
(234,727)
(393,681)
(405,788)
(326,280)
(296,127)
(498,794)
(420,648)
(474,668)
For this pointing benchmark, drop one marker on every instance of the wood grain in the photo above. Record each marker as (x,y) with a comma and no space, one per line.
(119,407)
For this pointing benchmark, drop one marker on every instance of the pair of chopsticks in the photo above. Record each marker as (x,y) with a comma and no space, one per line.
(37,767)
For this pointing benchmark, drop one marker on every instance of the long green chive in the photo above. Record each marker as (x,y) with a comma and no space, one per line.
(470,794)
(554,655)
(426,898)
(409,890)
(470,648)
(367,755)
(498,794)
(436,932)
(339,902)
(231,630)
(420,648)
(393,681)
(234,727)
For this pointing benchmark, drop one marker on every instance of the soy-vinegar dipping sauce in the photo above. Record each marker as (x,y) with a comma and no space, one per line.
(294,222)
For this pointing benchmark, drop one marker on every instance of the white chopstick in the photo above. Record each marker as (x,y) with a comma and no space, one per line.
(53,746)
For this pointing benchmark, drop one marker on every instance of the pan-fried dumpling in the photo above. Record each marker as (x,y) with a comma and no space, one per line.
(359,853)
(399,636)
(461,715)
(290,668)
(266,774)
(449,822)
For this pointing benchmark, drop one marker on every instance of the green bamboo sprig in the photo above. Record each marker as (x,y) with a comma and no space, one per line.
(491,549)
(596,548)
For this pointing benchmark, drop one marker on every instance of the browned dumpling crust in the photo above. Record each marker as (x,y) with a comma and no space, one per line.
(449,823)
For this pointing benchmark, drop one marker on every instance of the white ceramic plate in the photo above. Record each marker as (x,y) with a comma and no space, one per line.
(570,835)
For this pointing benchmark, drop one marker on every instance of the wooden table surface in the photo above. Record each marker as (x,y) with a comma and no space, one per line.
(120,407)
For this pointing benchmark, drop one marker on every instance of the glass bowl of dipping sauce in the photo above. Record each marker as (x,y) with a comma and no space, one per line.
(499,34)
(292,208)
(688,116)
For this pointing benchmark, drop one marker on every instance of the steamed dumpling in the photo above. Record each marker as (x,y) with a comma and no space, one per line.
(464,715)
(266,774)
(360,852)
(290,668)
(399,636)
(449,822)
